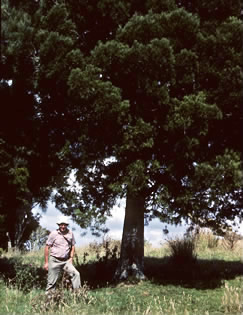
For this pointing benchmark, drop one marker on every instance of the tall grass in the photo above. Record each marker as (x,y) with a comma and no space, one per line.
(208,284)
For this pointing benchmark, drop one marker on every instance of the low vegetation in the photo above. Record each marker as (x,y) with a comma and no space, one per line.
(192,275)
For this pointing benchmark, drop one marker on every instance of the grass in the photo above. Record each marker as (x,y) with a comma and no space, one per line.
(210,285)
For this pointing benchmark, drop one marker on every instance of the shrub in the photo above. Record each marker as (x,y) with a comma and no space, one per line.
(182,251)
(107,249)
(28,276)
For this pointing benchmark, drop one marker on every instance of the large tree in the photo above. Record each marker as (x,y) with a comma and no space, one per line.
(28,151)
(137,100)
(157,107)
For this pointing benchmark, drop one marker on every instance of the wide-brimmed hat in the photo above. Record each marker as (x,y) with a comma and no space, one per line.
(63,220)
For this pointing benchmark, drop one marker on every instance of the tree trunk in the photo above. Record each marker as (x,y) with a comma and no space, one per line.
(131,264)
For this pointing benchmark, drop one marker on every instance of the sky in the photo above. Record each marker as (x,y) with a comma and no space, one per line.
(153,233)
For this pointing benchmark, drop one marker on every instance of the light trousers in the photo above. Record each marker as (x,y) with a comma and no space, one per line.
(55,266)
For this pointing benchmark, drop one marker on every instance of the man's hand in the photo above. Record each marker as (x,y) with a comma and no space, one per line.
(46,253)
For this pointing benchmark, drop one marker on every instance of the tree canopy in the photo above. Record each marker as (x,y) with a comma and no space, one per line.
(153,99)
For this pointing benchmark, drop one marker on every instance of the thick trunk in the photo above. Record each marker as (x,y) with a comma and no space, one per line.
(131,264)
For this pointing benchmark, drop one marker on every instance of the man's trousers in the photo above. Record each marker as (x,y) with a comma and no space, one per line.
(55,266)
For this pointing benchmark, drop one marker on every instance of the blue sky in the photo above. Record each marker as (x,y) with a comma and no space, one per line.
(153,232)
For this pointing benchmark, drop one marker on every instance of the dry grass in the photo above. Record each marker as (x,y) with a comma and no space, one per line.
(232,300)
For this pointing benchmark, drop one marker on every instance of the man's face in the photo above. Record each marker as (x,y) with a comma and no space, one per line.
(63,227)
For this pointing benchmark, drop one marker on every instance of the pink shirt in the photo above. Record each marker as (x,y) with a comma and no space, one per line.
(60,244)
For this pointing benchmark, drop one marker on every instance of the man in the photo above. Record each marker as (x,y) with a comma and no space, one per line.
(61,247)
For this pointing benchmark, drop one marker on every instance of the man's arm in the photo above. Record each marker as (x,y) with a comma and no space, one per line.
(72,252)
(46,255)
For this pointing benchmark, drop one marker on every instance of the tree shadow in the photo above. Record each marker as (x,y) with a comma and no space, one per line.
(13,271)
(98,274)
(200,274)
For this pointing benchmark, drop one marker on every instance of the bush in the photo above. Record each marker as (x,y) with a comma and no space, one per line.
(182,250)
(108,249)
(28,276)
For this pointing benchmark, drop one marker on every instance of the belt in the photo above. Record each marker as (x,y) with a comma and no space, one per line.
(59,258)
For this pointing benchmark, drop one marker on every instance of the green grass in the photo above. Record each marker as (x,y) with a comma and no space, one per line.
(210,286)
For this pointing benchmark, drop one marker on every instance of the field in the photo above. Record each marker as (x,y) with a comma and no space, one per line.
(209,282)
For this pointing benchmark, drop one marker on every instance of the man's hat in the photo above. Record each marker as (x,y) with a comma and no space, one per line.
(63,220)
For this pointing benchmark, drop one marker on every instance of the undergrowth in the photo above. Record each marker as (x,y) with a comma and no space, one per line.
(184,276)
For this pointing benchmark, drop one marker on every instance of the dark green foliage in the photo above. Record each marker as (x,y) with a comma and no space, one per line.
(28,276)
(169,124)
(24,276)
(29,160)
